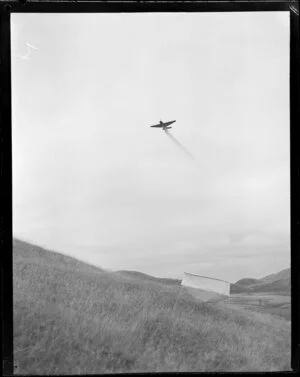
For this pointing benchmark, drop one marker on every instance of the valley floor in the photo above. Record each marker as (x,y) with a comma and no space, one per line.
(267,302)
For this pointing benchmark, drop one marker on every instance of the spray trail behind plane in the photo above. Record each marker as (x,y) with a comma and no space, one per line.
(187,153)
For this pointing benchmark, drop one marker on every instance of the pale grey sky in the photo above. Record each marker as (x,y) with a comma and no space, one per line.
(93,180)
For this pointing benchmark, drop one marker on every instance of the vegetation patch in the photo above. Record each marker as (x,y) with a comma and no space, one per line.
(72,318)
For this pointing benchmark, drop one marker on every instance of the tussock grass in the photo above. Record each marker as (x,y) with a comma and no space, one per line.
(71,318)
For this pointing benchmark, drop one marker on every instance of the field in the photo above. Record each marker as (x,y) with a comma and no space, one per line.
(266,302)
(72,318)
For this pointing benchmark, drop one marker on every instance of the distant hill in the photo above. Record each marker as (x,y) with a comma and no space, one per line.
(284,274)
(278,282)
(36,254)
(247,281)
(281,285)
(145,277)
(72,318)
(237,288)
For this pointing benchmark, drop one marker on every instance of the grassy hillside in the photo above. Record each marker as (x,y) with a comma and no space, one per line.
(145,277)
(71,318)
(282,285)
(24,253)
(279,282)
(237,288)
(283,274)
(275,304)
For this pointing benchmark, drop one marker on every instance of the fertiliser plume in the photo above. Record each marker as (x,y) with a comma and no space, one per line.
(186,152)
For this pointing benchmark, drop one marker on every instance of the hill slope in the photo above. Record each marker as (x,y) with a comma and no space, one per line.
(145,277)
(247,281)
(281,285)
(281,275)
(71,318)
(279,282)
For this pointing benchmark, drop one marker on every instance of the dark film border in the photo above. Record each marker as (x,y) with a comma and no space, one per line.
(23,6)
(6,192)
(295,184)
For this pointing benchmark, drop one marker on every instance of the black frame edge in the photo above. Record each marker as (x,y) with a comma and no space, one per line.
(144,6)
(6,193)
(6,146)
(295,188)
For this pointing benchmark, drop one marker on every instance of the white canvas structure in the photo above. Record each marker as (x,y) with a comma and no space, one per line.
(206,288)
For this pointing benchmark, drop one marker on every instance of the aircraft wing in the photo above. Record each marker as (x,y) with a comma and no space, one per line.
(168,123)
(157,125)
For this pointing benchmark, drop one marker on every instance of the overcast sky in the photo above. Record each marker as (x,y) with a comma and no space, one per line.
(91,178)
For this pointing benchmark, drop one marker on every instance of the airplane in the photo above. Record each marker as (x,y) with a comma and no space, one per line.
(164,125)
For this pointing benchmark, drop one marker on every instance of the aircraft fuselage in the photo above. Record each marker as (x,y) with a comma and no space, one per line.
(164,125)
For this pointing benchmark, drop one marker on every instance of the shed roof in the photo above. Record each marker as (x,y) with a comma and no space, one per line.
(207,277)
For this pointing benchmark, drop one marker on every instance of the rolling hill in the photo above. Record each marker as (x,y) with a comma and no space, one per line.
(145,277)
(247,281)
(281,275)
(279,282)
(73,318)
(281,285)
